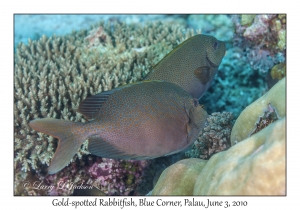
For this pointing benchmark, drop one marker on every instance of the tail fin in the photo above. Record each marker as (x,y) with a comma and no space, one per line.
(68,144)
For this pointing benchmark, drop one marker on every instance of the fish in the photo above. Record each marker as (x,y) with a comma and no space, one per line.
(192,65)
(142,120)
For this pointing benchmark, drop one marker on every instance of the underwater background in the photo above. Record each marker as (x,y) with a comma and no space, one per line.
(62,59)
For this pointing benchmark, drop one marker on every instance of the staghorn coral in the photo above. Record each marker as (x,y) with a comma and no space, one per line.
(214,137)
(53,75)
(258,113)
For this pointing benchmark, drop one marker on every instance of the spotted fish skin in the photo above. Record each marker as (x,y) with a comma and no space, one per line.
(192,65)
(138,121)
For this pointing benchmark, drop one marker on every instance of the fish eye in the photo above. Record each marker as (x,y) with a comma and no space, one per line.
(215,45)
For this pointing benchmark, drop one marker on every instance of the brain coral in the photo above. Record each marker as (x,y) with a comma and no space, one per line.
(53,75)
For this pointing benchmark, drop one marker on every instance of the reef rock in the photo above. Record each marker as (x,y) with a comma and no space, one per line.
(245,124)
(179,178)
(255,166)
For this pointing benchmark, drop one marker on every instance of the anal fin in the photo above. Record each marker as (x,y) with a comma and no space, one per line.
(99,147)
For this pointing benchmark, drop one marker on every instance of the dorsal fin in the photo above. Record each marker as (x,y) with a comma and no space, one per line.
(169,55)
(91,105)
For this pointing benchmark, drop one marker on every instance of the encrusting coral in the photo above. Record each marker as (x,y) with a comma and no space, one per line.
(53,75)
(214,137)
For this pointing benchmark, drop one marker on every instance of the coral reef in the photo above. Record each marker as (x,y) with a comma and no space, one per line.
(258,43)
(154,170)
(255,166)
(248,120)
(219,26)
(33,26)
(267,118)
(179,178)
(262,39)
(53,75)
(96,36)
(278,71)
(235,83)
(247,19)
(214,137)
(115,177)
(109,177)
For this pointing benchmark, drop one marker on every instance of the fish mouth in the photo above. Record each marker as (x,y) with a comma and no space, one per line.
(210,62)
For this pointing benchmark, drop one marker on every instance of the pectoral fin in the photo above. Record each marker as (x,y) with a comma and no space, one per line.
(203,74)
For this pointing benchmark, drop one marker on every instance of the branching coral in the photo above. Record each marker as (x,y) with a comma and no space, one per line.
(214,137)
(53,75)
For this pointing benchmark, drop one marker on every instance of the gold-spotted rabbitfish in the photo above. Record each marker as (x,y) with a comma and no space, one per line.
(192,65)
(138,121)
